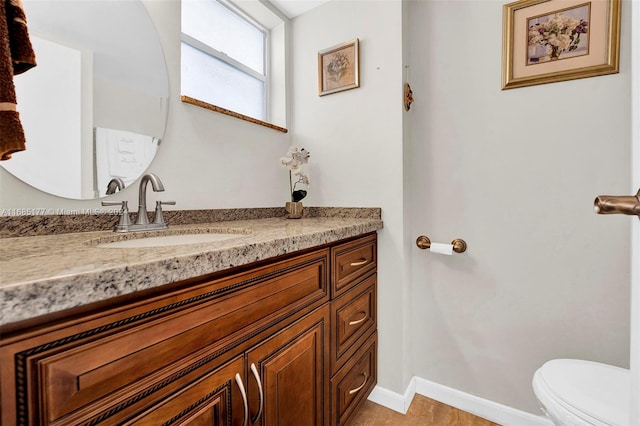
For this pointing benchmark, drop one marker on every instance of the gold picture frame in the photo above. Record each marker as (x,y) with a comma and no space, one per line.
(339,68)
(546,41)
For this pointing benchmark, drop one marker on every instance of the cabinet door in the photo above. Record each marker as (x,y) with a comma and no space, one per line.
(217,399)
(293,368)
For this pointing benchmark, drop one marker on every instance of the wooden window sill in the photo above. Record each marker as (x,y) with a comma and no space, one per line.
(205,105)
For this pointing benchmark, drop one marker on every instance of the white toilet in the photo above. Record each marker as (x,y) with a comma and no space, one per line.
(576,392)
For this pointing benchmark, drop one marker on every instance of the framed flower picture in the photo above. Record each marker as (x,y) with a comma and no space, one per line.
(546,41)
(338,68)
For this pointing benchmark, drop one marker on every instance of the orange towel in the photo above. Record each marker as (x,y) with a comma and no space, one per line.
(16,56)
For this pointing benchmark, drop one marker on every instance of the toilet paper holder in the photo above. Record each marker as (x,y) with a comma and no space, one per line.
(459,246)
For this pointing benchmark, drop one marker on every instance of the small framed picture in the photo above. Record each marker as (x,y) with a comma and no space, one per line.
(546,41)
(338,68)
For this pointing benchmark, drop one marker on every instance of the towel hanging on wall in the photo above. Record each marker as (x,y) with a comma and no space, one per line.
(16,57)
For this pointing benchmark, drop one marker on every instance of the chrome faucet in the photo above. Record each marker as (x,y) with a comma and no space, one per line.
(115,184)
(142,219)
(156,184)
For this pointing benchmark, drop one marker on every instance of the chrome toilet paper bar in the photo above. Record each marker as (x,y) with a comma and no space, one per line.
(459,246)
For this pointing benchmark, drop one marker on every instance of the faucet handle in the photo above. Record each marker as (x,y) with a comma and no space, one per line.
(159,217)
(124,204)
(125,220)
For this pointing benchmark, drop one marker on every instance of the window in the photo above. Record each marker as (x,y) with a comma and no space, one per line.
(225,58)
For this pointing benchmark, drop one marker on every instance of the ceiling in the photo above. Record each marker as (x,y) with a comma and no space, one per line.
(293,8)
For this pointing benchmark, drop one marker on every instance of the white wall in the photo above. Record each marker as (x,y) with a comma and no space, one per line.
(635,226)
(355,140)
(514,173)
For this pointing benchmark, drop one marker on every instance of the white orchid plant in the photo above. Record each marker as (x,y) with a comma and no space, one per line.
(294,160)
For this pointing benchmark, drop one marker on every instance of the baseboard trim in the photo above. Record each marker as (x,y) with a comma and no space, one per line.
(490,410)
(395,401)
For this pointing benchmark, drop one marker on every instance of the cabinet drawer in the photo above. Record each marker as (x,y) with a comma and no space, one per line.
(135,358)
(352,260)
(353,319)
(354,382)
(214,399)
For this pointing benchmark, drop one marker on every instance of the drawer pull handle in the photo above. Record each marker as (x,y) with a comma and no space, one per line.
(360,262)
(361,320)
(364,382)
(244,399)
(256,376)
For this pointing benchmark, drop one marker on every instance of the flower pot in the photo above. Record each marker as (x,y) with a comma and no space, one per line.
(294,209)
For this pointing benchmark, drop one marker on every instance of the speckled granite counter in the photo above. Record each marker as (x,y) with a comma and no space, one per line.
(48,273)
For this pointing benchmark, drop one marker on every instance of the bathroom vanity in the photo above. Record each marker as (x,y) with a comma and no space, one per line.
(276,326)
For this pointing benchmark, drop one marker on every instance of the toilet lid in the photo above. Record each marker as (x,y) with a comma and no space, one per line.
(596,392)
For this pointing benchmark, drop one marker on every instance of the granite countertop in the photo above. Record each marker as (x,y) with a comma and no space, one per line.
(48,273)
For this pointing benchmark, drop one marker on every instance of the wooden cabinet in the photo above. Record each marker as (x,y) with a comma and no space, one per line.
(354,324)
(203,402)
(352,260)
(353,382)
(259,345)
(294,374)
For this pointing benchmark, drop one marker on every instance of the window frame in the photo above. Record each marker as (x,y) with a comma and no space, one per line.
(264,77)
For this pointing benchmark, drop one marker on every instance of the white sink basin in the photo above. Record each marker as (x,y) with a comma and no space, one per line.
(169,240)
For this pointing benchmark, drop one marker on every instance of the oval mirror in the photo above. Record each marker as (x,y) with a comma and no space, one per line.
(95,107)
